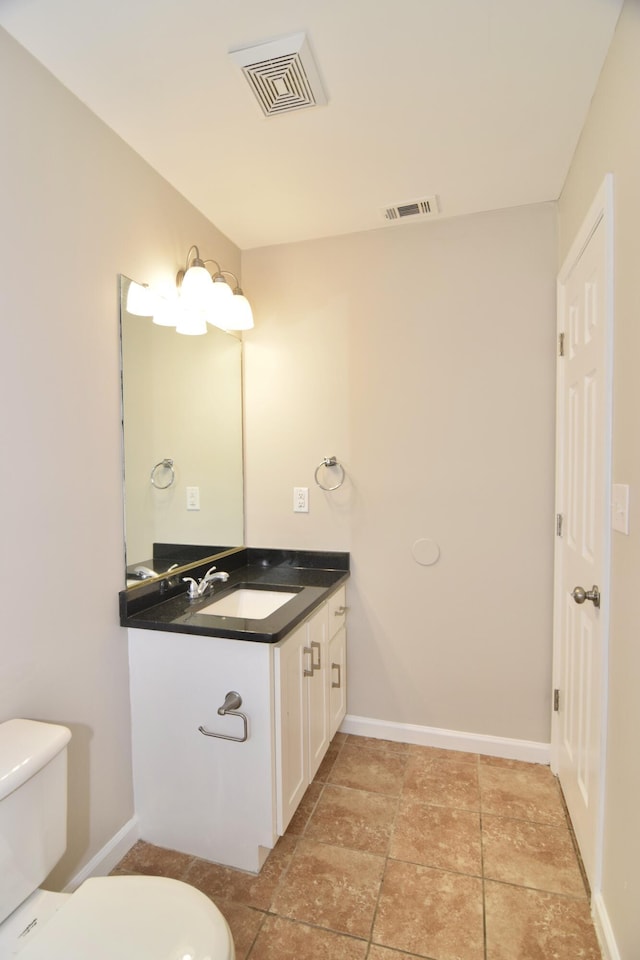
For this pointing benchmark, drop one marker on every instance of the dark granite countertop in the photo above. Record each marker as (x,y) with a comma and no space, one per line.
(163,604)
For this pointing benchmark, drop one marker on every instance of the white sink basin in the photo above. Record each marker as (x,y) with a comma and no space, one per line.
(248,604)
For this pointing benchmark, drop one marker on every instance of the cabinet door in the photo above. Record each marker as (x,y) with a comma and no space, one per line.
(337,604)
(318,691)
(337,679)
(292,659)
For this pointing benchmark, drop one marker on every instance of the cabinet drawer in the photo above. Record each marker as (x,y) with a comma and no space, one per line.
(337,603)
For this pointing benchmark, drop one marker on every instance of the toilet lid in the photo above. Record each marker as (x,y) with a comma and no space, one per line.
(133,918)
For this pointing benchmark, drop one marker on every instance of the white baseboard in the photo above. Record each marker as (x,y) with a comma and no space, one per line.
(528,750)
(604,929)
(111,854)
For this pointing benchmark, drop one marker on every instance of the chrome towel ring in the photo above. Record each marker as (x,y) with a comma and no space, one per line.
(330,462)
(166,464)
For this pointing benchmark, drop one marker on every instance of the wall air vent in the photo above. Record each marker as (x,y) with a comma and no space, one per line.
(282,74)
(427,207)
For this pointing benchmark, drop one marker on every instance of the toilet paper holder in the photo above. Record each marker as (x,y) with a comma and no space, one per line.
(232,701)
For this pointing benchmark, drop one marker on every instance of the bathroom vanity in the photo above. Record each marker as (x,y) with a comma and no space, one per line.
(200,787)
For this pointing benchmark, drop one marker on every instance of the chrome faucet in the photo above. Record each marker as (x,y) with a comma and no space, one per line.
(198,589)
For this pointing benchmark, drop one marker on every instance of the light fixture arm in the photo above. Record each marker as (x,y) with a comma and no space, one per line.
(228,273)
(196,261)
(217,276)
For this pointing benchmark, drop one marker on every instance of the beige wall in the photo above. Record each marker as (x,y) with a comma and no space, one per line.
(422,356)
(611,143)
(77,207)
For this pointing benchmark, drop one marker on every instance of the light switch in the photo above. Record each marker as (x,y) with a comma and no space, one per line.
(620,507)
(193,498)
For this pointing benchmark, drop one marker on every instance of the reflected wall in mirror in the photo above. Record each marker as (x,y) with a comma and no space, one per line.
(181,401)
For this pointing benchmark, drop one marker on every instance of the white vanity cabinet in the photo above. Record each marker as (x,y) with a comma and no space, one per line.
(224,800)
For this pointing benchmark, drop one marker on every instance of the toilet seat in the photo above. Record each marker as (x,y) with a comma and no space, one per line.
(133,918)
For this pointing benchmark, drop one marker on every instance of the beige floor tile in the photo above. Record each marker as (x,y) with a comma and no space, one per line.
(438,753)
(367,768)
(530,792)
(244,923)
(351,818)
(331,887)
(282,939)
(430,913)
(437,837)
(325,768)
(300,819)
(530,925)
(531,855)
(155,861)
(448,783)
(386,953)
(328,887)
(512,764)
(252,890)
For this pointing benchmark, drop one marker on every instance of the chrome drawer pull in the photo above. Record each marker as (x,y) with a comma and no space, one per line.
(305,672)
(336,686)
(315,646)
(340,611)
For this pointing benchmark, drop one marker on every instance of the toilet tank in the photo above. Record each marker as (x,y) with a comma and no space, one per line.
(33,806)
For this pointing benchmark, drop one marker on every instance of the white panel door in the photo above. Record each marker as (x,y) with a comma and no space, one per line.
(583,550)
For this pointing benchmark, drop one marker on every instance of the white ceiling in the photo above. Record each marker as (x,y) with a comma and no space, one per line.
(478,101)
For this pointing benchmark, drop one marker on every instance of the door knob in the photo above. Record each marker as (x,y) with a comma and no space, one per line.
(579,594)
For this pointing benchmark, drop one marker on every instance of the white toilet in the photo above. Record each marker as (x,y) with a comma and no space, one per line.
(128,918)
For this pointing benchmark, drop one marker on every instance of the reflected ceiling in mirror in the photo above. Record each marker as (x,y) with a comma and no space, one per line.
(182,429)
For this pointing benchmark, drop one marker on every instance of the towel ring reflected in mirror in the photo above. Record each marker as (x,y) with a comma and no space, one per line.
(166,464)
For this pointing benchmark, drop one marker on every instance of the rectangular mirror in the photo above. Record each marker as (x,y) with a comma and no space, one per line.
(182,443)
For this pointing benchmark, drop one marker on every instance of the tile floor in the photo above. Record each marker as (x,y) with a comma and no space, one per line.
(400,852)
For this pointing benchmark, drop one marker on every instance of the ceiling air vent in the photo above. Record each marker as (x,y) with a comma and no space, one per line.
(427,207)
(281,74)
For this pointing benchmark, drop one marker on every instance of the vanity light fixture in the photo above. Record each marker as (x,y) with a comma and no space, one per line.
(204,298)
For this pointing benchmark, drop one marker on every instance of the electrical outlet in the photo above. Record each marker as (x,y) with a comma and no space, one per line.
(301,499)
(193,498)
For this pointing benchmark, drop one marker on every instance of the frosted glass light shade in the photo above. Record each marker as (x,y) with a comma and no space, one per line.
(140,300)
(238,315)
(191,322)
(166,312)
(221,293)
(196,286)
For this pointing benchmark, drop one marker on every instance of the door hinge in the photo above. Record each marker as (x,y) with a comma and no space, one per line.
(559,522)
(561,344)
(556,700)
